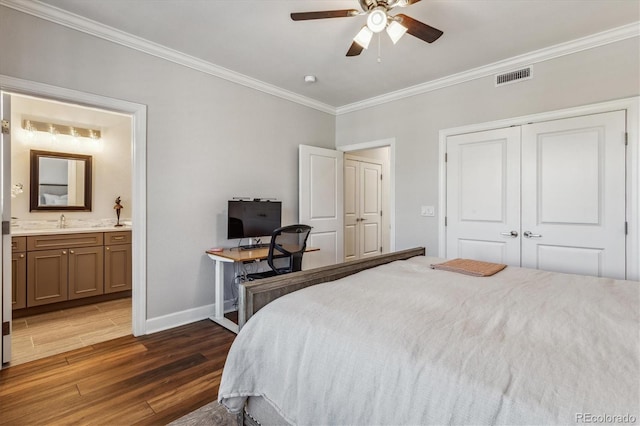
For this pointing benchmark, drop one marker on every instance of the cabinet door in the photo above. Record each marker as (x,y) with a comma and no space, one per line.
(18,280)
(117,264)
(86,268)
(46,277)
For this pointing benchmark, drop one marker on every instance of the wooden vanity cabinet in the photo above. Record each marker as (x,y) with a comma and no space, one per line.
(117,262)
(71,269)
(62,267)
(18,272)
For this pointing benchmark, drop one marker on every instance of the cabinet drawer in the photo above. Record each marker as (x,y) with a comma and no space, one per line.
(18,244)
(111,238)
(45,242)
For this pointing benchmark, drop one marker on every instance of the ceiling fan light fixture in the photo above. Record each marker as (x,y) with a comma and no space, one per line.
(363,38)
(377,19)
(396,31)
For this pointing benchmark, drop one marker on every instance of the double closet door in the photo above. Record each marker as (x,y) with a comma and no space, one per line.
(548,195)
(362,209)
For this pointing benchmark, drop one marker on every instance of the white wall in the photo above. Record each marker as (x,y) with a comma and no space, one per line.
(600,74)
(207,140)
(111,156)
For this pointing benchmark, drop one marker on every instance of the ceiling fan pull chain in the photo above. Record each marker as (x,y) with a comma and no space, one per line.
(379,50)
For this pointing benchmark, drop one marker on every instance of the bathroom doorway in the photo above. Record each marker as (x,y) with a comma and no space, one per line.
(124,311)
(66,311)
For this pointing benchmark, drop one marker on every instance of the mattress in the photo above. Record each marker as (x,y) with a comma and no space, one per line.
(405,344)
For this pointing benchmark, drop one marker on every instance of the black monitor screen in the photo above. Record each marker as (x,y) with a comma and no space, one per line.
(251,219)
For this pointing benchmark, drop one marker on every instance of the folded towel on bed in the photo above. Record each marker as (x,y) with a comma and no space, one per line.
(475,268)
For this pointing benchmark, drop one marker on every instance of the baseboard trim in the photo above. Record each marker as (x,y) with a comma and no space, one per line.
(188,316)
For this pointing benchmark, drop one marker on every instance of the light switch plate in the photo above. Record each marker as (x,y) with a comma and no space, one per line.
(428,211)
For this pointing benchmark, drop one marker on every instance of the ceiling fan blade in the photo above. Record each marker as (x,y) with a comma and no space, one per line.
(418,29)
(355,49)
(304,16)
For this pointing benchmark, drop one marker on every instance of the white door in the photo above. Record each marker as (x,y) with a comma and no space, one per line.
(5,203)
(321,203)
(573,195)
(362,209)
(351,197)
(483,196)
(370,209)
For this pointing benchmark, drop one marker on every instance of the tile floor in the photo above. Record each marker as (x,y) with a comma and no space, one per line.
(43,335)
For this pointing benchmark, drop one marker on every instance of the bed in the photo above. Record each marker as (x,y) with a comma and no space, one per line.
(402,343)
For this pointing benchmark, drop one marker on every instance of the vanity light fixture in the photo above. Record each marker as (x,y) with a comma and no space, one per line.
(32,126)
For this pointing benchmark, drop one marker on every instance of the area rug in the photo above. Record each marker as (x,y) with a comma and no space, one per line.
(212,414)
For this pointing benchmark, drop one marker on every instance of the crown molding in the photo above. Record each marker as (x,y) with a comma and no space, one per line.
(545,54)
(79,23)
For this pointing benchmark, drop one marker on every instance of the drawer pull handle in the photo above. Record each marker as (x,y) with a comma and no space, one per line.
(22,256)
(64,252)
(118,238)
(72,252)
(107,248)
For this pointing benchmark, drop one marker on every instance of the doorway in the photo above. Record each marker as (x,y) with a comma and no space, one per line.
(366,196)
(66,311)
(321,197)
(137,183)
(369,201)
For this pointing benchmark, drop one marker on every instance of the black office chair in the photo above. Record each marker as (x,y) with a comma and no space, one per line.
(288,241)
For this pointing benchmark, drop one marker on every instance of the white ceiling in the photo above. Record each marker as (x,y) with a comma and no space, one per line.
(258,39)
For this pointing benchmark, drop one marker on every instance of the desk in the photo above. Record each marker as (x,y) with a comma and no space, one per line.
(231,256)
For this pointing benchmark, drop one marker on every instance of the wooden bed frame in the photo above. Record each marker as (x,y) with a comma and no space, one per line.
(254,295)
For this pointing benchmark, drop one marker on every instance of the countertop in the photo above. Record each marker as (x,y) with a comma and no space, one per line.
(26,228)
(20,232)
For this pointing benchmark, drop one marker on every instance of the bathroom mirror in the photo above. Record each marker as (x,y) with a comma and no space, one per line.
(60,181)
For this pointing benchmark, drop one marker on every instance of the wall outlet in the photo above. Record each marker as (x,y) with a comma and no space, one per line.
(428,211)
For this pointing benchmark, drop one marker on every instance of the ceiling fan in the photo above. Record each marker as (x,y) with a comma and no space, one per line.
(378,19)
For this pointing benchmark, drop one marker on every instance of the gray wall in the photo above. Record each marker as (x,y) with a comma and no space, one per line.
(207,140)
(600,74)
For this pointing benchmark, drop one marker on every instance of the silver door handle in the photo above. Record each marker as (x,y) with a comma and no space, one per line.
(529,234)
(512,234)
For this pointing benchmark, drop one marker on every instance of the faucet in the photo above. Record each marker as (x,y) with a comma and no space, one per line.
(62,223)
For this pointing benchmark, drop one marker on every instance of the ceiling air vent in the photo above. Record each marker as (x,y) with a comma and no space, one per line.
(514,76)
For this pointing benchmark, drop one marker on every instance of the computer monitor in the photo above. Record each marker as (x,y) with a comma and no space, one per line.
(253,219)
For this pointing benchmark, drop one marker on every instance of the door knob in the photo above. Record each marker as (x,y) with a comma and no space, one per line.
(512,234)
(530,234)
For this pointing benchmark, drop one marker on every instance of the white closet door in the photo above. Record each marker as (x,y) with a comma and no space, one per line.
(573,195)
(483,196)
(362,206)
(370,206)
(351,197)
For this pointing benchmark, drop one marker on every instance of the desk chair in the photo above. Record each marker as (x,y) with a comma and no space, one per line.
(288,241)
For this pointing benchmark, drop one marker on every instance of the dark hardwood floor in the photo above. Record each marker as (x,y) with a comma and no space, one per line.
(151,379)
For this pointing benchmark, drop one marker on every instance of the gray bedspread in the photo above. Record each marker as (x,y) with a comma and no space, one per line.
(403,344)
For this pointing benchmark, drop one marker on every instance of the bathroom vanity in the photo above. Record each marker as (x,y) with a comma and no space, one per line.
(69,267)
